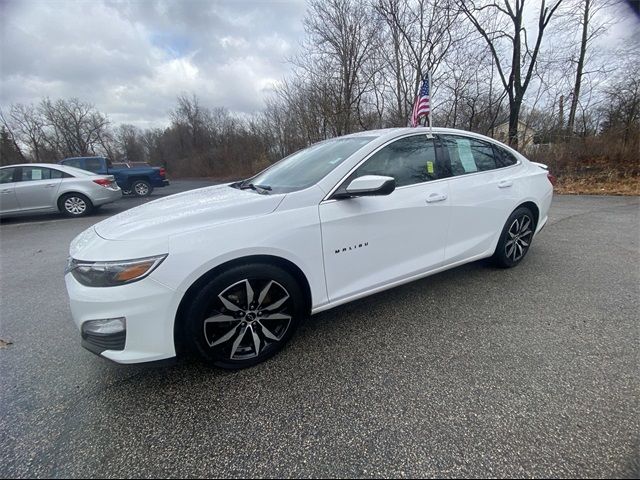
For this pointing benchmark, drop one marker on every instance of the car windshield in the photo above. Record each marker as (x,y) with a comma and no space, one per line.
(306,167)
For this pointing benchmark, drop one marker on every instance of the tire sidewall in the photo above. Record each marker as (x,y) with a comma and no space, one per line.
(67,196)
(500,257)
(202,303)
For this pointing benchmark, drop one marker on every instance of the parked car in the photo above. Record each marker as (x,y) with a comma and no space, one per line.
(42,188)
(229,271)
(139,181)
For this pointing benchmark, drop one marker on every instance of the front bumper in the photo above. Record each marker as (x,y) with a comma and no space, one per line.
(149,308)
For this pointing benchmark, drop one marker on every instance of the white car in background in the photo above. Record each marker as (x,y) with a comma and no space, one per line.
(42,187)
(229,271)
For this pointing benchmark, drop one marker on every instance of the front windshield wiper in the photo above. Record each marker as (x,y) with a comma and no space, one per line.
(258,188)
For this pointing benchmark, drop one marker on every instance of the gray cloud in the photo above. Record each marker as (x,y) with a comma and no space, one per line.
(132,58)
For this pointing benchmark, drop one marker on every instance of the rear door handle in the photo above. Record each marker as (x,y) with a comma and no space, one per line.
(436,197)
(505,184)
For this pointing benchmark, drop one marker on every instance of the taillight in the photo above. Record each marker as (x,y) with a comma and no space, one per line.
(552,179)
(162,171)
(103,182)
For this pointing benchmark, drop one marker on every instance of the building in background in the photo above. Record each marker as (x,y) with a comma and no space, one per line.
(525,134)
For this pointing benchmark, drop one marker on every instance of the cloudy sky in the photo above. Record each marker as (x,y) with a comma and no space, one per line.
(131,59)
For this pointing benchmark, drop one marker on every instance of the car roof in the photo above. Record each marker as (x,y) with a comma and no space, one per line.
(386,134)
(55,166)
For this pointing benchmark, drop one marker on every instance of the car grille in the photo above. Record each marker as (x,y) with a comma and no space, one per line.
(115,341)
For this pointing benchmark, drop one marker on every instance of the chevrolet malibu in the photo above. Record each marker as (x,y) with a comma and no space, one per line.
(228,272)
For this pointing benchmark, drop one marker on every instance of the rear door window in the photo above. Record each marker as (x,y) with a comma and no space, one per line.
(31,174)
(469,155)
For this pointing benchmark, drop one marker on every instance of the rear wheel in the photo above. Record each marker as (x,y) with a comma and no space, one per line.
(516,238)
(141,188)
(244,316)
(75,205)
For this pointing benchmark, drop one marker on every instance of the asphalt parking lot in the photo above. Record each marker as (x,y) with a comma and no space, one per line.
(475,372)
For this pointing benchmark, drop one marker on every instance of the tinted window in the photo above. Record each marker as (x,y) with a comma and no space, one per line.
(75,162)
(6,175)
(409,160)
(504,157)
(38,173)
(93,164)
(468,155)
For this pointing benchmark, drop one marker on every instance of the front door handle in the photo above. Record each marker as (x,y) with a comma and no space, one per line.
(436,197)
(50,185)
(505,184)
(7,191)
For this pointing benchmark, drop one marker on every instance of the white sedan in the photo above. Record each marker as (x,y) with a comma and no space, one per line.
(229,271)
(35,188)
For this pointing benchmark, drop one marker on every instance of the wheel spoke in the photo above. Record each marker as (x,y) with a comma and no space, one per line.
(264,292)
(227,336)
(518,247)
(277,316)
(267,333)
(256,340)
(249,294)
(221,319)
(510,242)
(278,304)
(526,221)
(236,344)
(510,250)
(524,243)
(229,305)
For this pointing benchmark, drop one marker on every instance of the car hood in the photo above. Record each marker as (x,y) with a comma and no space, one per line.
(185,211)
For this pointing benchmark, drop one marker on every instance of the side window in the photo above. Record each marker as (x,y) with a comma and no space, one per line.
(30,174)
(6,175)
(93,164)
(504,157)
(409,160)
(468,155)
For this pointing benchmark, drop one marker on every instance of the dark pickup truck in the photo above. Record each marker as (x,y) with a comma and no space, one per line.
(139,181)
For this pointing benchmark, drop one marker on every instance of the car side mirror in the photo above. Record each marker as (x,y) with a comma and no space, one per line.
(368,186)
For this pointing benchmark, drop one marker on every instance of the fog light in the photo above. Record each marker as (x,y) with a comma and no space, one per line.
(108,326)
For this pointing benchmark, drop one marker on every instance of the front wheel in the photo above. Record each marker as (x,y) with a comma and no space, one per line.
(516,238)
(75,205)
(244,316)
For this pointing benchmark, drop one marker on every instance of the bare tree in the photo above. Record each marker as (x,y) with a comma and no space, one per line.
(72,127)
(516,65)
(342,36)
(422,32)
(593,24)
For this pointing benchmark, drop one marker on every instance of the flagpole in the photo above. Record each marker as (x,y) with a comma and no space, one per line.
(430,104)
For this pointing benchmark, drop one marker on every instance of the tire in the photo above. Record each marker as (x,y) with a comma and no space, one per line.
(141,188)
(515,239)
(74,205)
(227,333)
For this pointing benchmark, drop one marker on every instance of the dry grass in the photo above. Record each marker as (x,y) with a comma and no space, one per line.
(599,185)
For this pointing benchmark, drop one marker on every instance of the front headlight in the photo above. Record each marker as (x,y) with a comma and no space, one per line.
(111,274)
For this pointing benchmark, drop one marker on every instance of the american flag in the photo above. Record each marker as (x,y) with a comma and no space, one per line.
(422,105)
